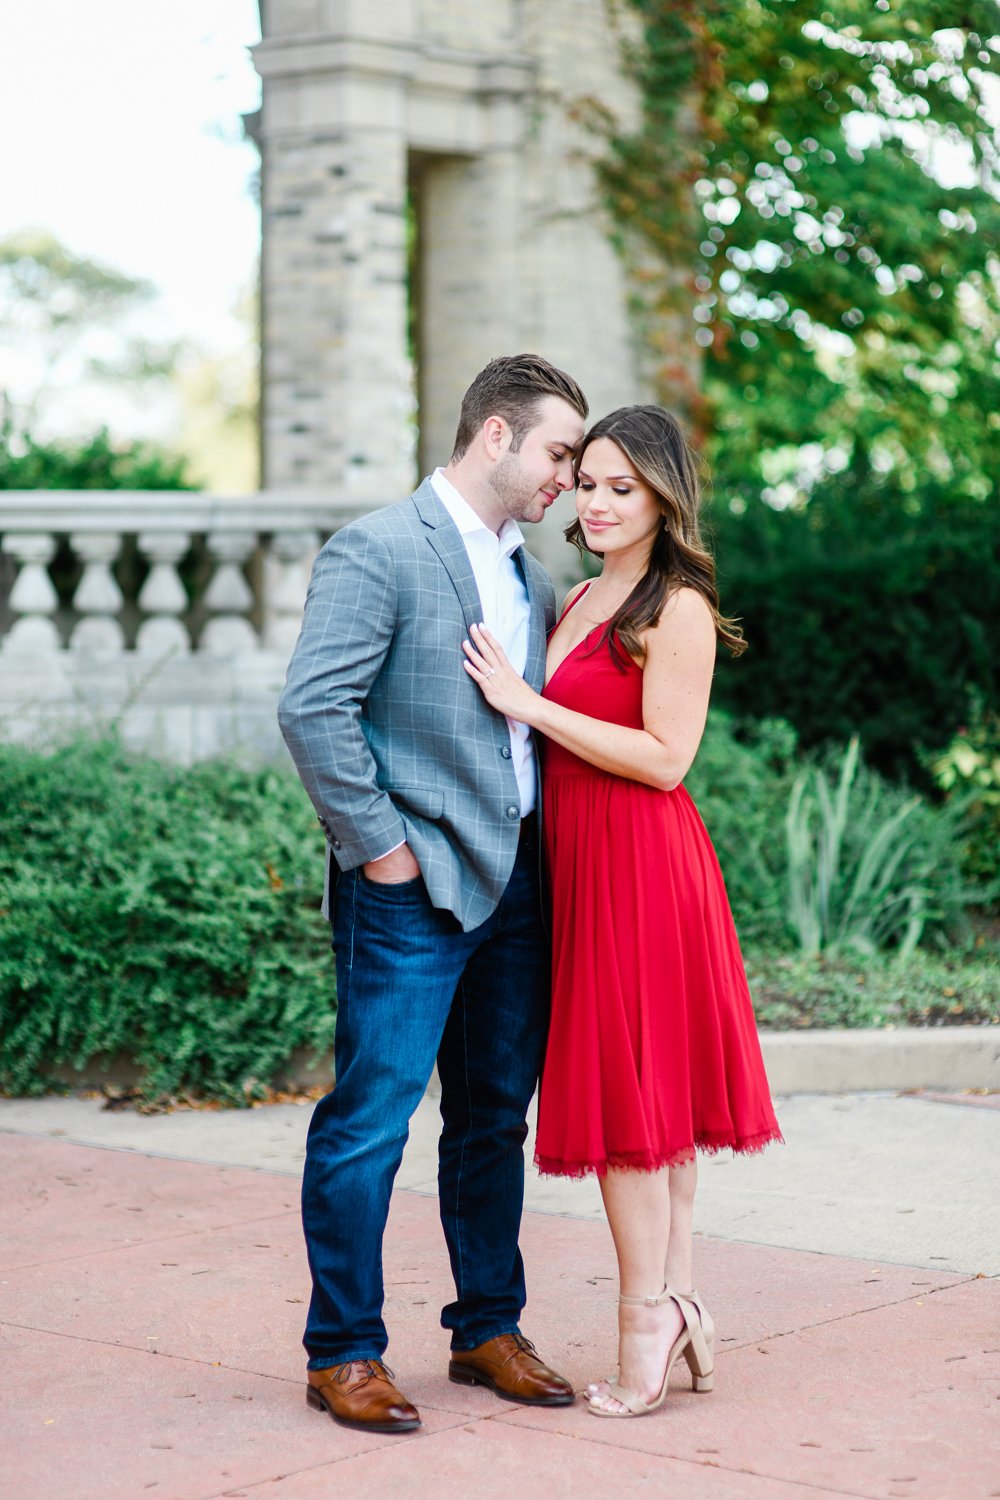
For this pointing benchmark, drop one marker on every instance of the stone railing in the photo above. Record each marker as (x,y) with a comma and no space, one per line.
(170,613)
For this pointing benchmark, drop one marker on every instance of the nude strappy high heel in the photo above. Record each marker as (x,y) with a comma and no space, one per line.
(694,1341)
(700,1383)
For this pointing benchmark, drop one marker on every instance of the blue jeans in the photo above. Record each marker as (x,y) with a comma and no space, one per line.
(412,986)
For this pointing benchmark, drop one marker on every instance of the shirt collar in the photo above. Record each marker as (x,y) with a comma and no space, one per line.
(509,537)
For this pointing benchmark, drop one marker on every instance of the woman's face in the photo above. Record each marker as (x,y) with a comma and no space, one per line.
(616,508)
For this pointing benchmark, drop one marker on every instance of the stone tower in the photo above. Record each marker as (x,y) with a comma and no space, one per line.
(428,202)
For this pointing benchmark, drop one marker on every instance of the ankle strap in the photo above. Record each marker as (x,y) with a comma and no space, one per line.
(663,1296)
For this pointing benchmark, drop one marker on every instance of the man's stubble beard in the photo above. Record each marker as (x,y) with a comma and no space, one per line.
(515,490)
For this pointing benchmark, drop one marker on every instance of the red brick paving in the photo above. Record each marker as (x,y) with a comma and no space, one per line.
(151,1313)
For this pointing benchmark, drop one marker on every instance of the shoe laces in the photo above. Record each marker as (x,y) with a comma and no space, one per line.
(523,1345)
(374,1369)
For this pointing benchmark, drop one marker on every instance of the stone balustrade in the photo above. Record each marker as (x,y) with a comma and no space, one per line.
(171,614)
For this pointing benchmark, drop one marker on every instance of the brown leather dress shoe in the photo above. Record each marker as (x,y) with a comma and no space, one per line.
(361,1394)
(510,1367)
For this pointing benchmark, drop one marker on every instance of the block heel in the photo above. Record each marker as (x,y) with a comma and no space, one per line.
(699,1352)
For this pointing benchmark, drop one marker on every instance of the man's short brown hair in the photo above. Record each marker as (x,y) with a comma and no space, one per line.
(513,386)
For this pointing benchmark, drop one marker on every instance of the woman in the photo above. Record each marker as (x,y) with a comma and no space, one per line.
(653,1050)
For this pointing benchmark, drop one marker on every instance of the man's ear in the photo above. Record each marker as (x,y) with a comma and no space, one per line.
(495,431)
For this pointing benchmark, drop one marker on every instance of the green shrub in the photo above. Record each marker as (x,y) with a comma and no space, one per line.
(859,875)
(741,785)
(167,913)
(872,867)
(955,988)
(172,915)
(968,773)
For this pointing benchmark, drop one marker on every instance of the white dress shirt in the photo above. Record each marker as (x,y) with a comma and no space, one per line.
(506,611)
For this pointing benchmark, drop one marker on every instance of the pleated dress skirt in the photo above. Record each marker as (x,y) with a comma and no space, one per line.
(653,1050)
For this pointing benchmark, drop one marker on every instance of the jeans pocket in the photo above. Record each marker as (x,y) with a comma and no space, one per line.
(393,888)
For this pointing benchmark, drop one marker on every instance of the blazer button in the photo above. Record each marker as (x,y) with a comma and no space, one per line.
(337,844)
(505,752)
(513,812)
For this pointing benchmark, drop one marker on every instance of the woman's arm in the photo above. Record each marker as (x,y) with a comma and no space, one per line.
(677,680)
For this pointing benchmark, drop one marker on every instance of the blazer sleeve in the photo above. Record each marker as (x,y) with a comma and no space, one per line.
(347,629)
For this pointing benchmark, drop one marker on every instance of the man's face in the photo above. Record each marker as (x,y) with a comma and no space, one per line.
(527,482)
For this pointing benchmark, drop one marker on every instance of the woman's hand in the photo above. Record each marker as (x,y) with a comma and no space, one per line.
(501,686)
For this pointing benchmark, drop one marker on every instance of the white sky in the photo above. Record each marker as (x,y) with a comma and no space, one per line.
(120,132)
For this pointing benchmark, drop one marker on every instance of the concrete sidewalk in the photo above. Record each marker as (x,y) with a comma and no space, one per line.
(152,1282)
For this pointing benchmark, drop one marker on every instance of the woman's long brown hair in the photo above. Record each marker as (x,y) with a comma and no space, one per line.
(654,445)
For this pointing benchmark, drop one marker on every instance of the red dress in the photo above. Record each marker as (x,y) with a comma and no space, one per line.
(653,1048)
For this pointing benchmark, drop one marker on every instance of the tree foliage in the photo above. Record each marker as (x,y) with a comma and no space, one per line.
(791,159)
(46,286)
(69,319)
(863,615)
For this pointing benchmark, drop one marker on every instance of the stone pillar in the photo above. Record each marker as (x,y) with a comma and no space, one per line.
(571,273)
(471,303)
(337,381)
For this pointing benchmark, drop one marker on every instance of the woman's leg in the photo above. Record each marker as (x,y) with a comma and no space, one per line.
(683,1182)
(638,1206)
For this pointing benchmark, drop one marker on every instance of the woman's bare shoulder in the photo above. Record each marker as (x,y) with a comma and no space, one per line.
(688,605)
(686,616)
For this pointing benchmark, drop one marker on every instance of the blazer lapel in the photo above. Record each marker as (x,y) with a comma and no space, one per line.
(446,539)
(534,671)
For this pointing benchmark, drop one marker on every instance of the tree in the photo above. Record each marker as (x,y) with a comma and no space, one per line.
(74,325)
(68,319)
(863,616)
(791,160)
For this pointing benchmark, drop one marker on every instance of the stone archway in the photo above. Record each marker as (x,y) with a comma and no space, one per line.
(456,116)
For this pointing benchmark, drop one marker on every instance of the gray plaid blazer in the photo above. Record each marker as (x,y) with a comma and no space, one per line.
(391,737)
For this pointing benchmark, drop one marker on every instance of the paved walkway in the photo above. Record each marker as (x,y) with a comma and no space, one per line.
(151,1298)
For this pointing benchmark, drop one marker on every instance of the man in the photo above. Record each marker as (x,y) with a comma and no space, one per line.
(428,799)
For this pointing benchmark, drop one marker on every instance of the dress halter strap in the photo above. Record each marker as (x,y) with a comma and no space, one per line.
(572,603)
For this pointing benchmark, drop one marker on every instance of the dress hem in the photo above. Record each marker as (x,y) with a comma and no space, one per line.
(751,1145)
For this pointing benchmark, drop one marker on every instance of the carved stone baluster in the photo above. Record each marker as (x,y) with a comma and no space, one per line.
(33,597)
(229,595)
(286,578)
(162,596)
(97,597)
